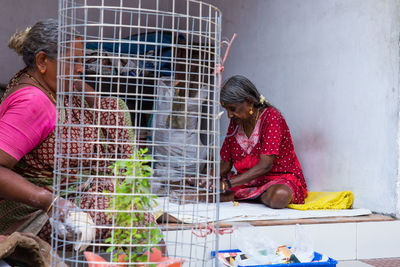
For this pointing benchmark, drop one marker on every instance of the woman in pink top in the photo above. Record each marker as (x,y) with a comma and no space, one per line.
(27,139)
(258,144)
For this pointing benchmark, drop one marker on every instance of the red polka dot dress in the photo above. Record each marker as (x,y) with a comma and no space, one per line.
(271,136)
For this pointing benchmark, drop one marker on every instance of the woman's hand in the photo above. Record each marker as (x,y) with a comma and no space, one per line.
(202,182)
(63,206)
(58,213)
(210,185)
(196,182)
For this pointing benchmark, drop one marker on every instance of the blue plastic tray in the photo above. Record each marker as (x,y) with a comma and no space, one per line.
(330,263)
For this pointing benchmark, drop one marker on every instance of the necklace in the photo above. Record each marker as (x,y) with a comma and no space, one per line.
(48,92)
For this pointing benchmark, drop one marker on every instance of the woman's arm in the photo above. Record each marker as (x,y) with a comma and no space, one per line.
(15,187)
(225,168)
(263,166)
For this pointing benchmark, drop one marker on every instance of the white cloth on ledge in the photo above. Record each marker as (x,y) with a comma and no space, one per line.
(206,212)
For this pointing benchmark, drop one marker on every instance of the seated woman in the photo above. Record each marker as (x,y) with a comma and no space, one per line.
(259,145)
(27,137)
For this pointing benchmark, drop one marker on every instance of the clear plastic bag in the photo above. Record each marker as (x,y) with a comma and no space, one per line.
(177,135)
(303,246)
(262,250)
(259,249)
(78,227)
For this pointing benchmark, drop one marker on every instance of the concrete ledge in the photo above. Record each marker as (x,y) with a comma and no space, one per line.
(350,238)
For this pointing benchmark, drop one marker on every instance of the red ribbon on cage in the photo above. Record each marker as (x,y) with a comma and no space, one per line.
(209,229)
(219,68)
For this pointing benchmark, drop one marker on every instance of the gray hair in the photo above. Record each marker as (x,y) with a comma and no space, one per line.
(238,89)
(43,36)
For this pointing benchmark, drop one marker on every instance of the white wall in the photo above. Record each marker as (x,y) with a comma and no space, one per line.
(17,15)
(331,67)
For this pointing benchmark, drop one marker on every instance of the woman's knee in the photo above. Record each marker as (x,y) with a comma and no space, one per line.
(277,196)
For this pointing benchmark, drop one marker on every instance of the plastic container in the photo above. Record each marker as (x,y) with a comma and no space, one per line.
(330,263)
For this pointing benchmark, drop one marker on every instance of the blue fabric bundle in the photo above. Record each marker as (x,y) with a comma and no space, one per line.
(148,47)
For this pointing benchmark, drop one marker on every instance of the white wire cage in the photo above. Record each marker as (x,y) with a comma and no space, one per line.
(138,132)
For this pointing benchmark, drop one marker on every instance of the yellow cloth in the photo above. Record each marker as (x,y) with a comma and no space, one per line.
(326,201)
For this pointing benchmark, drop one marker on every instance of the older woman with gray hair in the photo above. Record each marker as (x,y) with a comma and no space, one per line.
(27,138)
(258,144)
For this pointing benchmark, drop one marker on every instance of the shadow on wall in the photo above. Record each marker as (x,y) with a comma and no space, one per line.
(2,89)
(309,149)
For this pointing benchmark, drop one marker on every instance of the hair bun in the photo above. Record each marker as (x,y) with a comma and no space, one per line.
(17,40)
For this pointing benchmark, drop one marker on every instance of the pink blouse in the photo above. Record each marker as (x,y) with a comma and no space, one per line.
(27,117)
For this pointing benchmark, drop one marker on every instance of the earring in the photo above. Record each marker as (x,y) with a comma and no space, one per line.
(251,112)
(42,71)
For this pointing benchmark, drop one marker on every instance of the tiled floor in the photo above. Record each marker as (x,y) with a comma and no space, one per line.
(385,262)
(352,264)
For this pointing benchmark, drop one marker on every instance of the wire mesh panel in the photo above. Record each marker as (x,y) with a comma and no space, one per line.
(137,133)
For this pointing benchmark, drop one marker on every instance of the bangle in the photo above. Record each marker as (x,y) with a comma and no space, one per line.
(223,186)
(228,183)
(51,205)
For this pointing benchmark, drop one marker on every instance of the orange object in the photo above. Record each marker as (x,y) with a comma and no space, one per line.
(287,254)
(156,256)
(95,260)
(284,251)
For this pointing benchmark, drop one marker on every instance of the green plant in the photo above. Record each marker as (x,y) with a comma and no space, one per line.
(130,203)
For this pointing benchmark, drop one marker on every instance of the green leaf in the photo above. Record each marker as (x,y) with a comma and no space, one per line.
(138,236)
(136,187)
(142,258)
(110,249)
